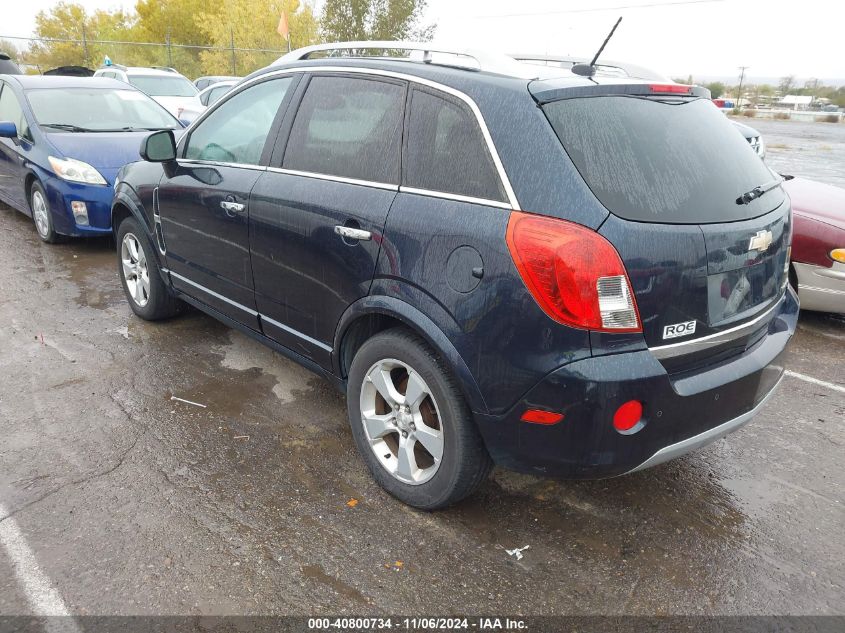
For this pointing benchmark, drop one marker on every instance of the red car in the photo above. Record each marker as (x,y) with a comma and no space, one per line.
(818,244)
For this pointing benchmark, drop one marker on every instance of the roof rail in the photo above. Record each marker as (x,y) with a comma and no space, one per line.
(165,68)
(469,59)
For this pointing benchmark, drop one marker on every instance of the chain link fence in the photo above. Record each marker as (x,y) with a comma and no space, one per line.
(37,55)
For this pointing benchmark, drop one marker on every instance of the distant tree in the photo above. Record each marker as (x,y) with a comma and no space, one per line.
(716,88)
(253,24)
(349,20)
(786,84)
(70,21)
(812,86)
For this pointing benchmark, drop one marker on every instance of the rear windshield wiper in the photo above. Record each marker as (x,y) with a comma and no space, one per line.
(758,191)
(68,127)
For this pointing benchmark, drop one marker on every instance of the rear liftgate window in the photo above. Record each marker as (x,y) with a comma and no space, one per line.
(674,162)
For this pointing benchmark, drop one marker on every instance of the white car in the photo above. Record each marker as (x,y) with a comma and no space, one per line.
(204,99)
(171,89)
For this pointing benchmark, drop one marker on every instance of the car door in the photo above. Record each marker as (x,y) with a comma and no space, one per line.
(202,201)
(318,212)
(13,152)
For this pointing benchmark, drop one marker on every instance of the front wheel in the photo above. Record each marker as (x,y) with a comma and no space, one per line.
(42,217)
(411,423)
(140,275)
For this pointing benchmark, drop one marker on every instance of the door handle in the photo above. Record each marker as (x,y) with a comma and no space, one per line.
(353,234)
(232,207)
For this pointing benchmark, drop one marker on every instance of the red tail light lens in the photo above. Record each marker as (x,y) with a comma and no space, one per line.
(670,88)
(574,274)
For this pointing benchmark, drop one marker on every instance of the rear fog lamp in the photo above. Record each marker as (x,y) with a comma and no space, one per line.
(616,303)
(80,212)
(628,418)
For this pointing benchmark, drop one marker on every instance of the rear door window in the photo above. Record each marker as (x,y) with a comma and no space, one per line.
(237,131)
(650,160)
(348,127)
(446,151)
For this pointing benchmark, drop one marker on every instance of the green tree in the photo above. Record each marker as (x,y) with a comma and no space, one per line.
(252,24)
(70,21)
(716,88)
(350,20)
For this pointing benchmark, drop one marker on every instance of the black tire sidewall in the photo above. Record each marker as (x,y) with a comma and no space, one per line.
(439,491)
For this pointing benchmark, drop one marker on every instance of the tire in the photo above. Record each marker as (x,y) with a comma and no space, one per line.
(42,216)
(401,449)
(140,274)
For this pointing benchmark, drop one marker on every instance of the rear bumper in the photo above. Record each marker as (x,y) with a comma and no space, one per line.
(821,288)
(681,411)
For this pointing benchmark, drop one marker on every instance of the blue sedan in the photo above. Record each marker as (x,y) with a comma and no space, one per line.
(62,142)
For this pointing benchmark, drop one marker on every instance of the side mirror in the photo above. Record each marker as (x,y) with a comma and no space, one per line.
(8,130)
(159,147)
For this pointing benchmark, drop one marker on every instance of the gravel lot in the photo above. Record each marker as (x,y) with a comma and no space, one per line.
(130,503)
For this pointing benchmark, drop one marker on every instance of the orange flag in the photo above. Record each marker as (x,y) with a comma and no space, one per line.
(283,28)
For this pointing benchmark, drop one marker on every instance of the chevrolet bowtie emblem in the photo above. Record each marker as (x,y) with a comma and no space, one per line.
(760,241)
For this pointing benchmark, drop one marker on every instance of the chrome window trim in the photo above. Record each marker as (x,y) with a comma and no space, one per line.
(216,163)
(296,333)
(711,340)
(513,203)
(214,294)
(341,179)
(456,197)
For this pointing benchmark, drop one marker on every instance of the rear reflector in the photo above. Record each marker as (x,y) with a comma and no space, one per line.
(670,88)
(536,416)
(628,416)
(574,274)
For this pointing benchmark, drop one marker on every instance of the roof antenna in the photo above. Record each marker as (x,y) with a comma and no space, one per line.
(588,70)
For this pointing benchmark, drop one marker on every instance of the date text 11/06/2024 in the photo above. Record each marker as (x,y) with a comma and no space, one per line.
(413,624)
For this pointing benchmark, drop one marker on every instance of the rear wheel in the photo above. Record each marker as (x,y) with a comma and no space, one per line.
(411,424)
(140,275)
(41,215)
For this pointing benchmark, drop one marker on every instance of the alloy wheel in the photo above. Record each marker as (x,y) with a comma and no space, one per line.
(135,271)
(401,421)
(40,214)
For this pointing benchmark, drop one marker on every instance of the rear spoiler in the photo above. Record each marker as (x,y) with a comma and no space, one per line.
(546,92)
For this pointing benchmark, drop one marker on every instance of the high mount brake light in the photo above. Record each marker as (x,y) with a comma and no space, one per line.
(574,274)
(670,88)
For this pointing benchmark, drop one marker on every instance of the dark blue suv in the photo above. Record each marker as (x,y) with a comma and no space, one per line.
(569,276)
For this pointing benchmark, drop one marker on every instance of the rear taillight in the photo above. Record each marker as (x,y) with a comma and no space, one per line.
(574,274)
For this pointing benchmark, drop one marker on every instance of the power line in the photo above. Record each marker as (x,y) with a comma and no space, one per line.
(670,3)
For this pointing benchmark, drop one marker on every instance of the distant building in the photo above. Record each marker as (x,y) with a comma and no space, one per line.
(796,102)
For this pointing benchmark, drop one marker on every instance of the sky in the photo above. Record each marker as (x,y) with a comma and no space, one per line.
(705,38)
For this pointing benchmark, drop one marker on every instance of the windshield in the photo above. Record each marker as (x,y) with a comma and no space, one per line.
(676,162)
(98,109)
(161,86)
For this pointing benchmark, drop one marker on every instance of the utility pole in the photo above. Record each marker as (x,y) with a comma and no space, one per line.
(169,49)
(739,91)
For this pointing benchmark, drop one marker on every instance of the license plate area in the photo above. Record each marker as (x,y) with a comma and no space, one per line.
(734,294)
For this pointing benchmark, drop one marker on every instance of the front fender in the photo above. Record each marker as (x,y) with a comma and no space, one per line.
(125,196)
(422,325)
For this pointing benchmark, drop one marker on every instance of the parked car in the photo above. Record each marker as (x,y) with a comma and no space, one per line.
(754,138)
(165,85)
(62,140)
(8,66)
(818,244)
(70,71)
(204,82)
(485,280)
(204,99)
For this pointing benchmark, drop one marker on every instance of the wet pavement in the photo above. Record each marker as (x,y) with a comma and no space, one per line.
(133,503)
(802,148)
